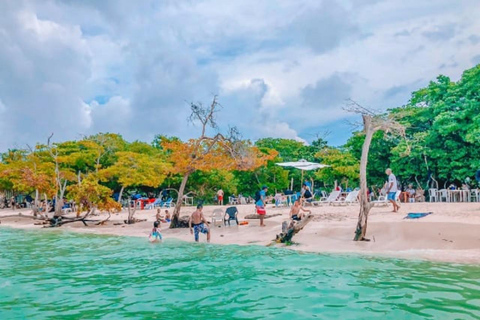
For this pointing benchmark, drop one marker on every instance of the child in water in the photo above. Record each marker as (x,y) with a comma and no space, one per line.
(155,235)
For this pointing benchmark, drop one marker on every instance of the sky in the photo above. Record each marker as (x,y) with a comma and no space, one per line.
(280,68)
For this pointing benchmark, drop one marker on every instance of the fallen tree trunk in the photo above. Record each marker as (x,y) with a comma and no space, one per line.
(289,229)
(257,216)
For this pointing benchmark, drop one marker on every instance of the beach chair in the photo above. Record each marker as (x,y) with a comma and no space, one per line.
(167,204)
(349,199)
(442,195)
(433,194)
(218,215)
(231,214)
(381,202)
(157,203)
(332,197)
(232,200)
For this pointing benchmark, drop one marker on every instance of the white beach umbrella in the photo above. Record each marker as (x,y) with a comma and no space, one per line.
(303,164)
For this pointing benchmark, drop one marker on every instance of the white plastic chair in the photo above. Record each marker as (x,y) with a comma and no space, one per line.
(218,215)
(433,195)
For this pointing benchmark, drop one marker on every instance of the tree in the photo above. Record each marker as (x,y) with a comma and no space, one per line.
(90,196)
(136,169)
(207,153)
(343,166)
(372,123)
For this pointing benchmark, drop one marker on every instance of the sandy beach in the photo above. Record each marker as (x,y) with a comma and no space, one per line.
(450,234)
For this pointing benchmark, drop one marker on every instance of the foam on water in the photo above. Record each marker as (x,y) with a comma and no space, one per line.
(55,274)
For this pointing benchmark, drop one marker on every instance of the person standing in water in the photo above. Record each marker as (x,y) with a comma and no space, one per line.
(392,189)
(260,202)
(155,235)
(199,223)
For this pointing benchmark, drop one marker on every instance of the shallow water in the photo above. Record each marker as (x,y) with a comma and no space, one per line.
(55,274)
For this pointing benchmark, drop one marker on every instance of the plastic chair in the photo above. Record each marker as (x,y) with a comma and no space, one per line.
(231,214)
(218,215)
(433,195)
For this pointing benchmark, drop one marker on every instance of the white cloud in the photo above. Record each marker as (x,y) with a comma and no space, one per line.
(282,68)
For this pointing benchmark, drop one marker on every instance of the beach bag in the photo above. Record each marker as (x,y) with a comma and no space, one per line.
(261,210)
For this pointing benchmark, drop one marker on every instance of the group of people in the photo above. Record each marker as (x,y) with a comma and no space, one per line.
(197,224)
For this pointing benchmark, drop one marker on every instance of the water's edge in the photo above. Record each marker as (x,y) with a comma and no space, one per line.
(394,255)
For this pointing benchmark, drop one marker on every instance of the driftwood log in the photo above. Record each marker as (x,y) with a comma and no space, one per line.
(291,228)
(257,216)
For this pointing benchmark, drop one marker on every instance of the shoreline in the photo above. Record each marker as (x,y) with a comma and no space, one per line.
(451,234)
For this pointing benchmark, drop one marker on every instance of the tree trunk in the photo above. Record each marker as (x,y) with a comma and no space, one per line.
(289,230)
(59,202)
(120,195)
(35,204)
(365,206)
(178,205)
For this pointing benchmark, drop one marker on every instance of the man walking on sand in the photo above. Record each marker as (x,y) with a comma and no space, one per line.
(392,189)
(197,219)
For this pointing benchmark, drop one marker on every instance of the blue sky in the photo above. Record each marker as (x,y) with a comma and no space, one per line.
(280,68)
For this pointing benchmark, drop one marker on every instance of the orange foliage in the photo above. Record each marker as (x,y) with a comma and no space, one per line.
(210,154)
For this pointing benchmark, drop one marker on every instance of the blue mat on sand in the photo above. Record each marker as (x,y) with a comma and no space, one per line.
(417,215)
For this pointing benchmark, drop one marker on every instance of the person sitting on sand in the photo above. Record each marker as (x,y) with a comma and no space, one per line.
(155,235)
(197,219)
(167,216)
(295,213)
(159,217)
(410,193)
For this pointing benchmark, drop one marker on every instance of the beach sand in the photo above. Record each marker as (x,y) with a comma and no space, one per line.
(450,234)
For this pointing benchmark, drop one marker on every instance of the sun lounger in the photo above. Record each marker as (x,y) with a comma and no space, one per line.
(167,204)
(383,201)
(349,199)
(332,197)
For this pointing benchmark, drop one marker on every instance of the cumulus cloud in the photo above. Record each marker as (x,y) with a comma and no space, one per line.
(281,68)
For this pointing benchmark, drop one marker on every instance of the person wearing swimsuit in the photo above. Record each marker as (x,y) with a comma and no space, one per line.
(199,223)
(155,235)
(295,213)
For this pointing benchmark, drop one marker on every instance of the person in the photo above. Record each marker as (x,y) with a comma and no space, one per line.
(155,235)
(295,213)
(261,200)
(392,189)
(199,223)
(308,184)
(220,194)
(410,193)
(278,199)
(12,203)
(159,218)
(167,216)
(307,194)
(452,187)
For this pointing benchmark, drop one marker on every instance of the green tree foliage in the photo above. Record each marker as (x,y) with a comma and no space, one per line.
(443,122)
(344,167)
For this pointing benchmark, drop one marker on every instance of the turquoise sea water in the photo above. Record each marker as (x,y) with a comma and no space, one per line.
(61,275)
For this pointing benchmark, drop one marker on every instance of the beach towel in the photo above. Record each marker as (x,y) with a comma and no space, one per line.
(417,215)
